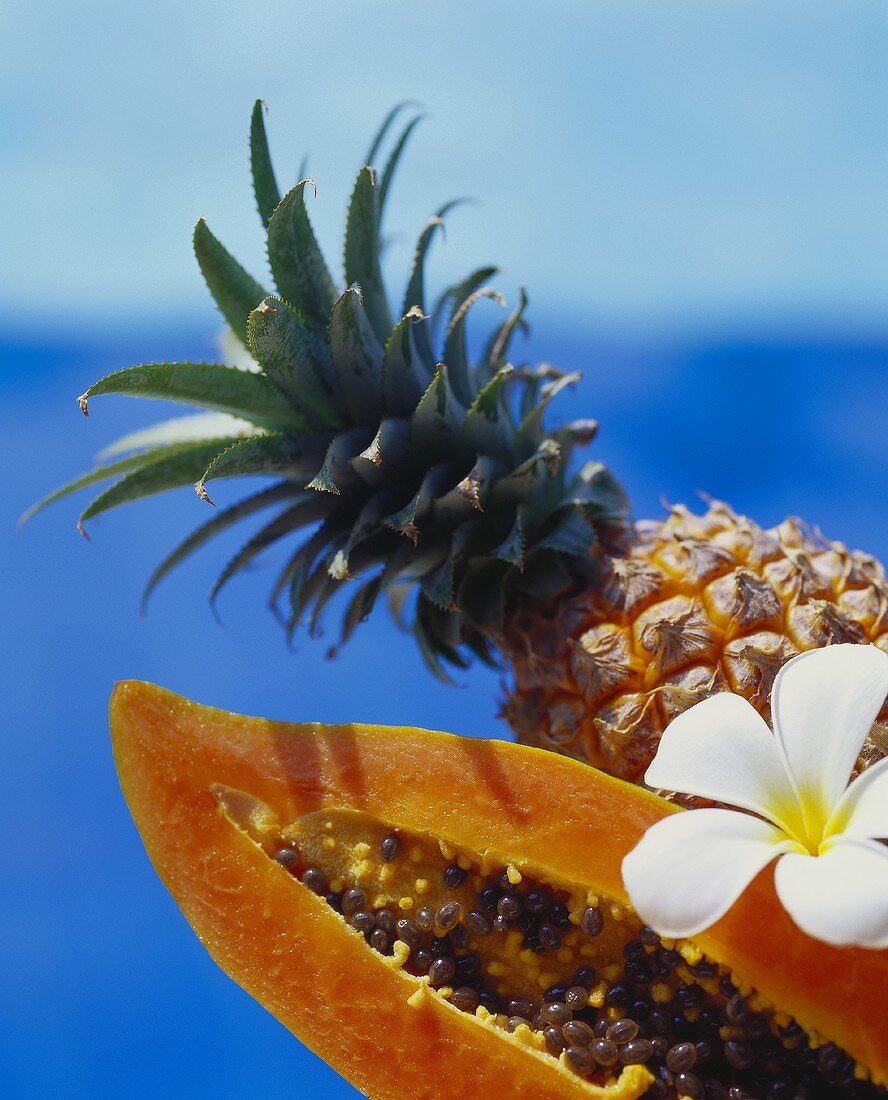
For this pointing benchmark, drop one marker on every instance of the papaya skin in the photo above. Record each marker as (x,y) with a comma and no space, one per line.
(524,806)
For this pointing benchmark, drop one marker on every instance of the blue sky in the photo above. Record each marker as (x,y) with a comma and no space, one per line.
(653,164)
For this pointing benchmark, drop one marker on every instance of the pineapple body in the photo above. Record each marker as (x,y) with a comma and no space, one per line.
(694,605)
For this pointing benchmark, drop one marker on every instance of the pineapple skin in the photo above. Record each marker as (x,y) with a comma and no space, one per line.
(690,606)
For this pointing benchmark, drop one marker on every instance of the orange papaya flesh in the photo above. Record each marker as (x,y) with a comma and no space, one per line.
(405,825)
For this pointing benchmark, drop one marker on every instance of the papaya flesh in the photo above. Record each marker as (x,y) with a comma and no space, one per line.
(441,916)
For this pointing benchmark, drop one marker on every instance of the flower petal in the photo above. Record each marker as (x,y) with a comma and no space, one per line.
(722,749)
(862,811)
(824,703)
(840,897)
(689,869)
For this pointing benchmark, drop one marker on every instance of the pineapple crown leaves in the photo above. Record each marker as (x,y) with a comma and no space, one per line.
(427,477)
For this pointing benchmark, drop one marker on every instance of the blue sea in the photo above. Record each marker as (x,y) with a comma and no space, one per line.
(104,990)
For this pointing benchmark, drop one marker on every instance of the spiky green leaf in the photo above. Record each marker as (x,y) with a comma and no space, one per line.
(512,548)
(337,473)
(481,596)
(532,432)
(297,263)
(438,585)
(214,526)
(365,525)
(453,297)
(265,186)
(572,534)
(435,482)
(388,175)
(260,454)
(206,385)
(308,509)
(387,123)
(357,358)
(526,479)
(93,477)
(414,298)
(497,351)
(295,572)
(234,290)
(456,354)
(297,361)
(169,468)
(436,420)
(180,429)
(361,254)
(488,428)
(603,497)
(387,457)
(404,374)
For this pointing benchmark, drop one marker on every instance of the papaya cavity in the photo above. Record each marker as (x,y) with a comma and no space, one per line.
(569,973)
(436,915)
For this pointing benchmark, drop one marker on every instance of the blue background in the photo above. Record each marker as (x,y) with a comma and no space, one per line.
(695,194)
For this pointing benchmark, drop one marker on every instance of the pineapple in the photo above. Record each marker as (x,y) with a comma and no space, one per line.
(408,472)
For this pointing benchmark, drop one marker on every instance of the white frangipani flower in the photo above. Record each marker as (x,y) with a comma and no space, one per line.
(832,873)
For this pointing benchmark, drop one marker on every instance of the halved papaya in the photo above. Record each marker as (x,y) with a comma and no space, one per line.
(440,916)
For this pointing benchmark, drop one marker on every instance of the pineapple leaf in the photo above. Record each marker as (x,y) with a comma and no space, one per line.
(404,377)
(481,597)
(234,290)
(511,549)
(487,428)
(366,524)
(455,352)
(578,433)
(166,468)
(207,385)
(364,600)
(429,646)
(524,480)
(498,347)
(602,496)
(326,588)
(307,510)
(531,431)
(296,360)
(297,264)
(101,473)
(415,294)
(296,572)
(337,473)
(387,123)
(360,606)
(387,454)
(436,481)
(454,296)
(364,428)
(573,534)
(265,186)
(258,454)
(180,429)
(357,358)
(438,584)
(546,575)
(435,423)
(362,252)
(391,167)
(215,526)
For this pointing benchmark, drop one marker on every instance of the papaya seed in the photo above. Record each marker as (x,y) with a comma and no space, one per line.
(599,990)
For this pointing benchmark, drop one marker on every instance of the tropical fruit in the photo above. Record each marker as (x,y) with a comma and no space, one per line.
(402,468)
(467,933)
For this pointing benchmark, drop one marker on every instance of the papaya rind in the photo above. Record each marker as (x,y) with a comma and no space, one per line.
(520,805)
